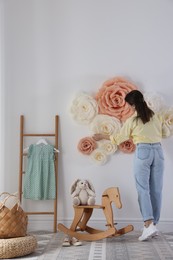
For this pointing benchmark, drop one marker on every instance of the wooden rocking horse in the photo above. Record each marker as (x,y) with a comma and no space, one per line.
(83,213)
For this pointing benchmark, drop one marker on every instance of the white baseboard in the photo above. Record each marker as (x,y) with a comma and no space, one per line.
(46,223)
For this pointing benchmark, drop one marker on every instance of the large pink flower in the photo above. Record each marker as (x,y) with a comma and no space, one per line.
(87,145)
(111,98)
(127,146)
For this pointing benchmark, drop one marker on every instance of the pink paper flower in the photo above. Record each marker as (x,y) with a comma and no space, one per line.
(111,98)
(127,146)
(87,145)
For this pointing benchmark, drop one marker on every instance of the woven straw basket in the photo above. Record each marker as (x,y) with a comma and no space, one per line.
(15,247)
(13,220)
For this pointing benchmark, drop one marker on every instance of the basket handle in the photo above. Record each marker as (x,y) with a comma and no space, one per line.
(7,193)
(3,193)
(7,197)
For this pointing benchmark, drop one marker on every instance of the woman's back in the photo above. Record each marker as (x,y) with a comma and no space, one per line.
(150,132)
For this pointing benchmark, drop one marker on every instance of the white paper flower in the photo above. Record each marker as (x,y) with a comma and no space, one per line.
(107,146)
(167,115)
(104,124)
(84,108)
(154,101)
(99,156)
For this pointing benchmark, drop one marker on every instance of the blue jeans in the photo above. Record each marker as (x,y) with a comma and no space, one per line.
(148,171)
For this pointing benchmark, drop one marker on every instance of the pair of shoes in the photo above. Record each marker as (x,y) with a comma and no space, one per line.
(71,241)
(156,234)
(75,242)
(66,242)
(148,232)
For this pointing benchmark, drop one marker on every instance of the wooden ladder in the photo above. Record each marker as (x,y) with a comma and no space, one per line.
(21,172)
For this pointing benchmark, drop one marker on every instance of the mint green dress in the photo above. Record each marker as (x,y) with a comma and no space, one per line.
(39,178)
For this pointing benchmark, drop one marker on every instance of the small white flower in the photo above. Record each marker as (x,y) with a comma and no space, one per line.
(99,156)
(104,124)
(107,146)
(165,131)
(167,115)
(84,108)
(154,101)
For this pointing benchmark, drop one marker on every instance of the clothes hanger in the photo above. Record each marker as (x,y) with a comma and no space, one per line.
(42,141)
(56,150)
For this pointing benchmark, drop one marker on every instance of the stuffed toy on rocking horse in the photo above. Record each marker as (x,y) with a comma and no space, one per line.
(82,192)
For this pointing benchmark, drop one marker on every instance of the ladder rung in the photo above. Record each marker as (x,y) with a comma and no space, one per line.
(39,213)
(38,134)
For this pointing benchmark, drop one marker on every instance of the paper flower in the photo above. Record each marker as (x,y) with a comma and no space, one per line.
(108,147)
(154,101)
(87,145)
(84,108)
(127,146)
(167,115)
(107,111)
(111,98)
(99,156)
(103,124)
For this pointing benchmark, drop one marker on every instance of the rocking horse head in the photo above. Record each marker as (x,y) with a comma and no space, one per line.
(113,195)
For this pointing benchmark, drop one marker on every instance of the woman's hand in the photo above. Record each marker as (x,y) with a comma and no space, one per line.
(98,137)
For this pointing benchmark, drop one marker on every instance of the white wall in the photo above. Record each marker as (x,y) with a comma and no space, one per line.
(2,95)
(53,49)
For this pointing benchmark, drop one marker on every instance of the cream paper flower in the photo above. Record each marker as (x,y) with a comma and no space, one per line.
(108,147)
(104,124)
(154,101)
(84,108)
(167,115)
(99,156)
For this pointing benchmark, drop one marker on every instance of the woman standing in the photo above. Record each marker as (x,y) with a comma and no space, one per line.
(145,128)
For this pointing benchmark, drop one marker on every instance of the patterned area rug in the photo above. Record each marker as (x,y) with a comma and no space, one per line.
(125,247)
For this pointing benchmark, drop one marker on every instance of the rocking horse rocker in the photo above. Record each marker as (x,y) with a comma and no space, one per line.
(82,214)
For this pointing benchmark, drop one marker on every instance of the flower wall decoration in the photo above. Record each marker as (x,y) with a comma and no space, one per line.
(111,96)
(167,114)
(127,146)
(106,113)
(84,108)
(87,145)
(104,124)
(99,156)
(154,101)
(107,146)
